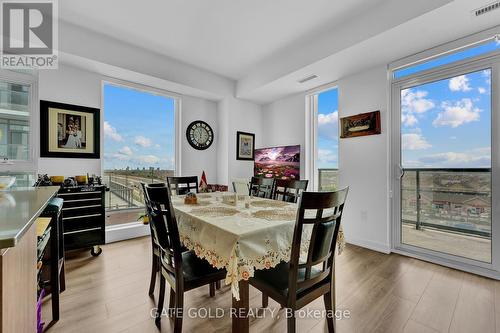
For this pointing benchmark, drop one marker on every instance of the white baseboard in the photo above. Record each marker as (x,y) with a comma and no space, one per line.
(125,231)
(371,245)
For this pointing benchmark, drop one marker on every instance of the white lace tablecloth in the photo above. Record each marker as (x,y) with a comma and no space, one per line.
(239,239)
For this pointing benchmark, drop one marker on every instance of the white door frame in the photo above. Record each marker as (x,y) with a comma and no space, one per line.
(470,65)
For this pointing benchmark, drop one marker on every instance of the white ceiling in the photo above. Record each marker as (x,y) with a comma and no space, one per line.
(268,45)
(227,37)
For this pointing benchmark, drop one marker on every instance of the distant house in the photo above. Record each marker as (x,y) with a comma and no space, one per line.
(451,203)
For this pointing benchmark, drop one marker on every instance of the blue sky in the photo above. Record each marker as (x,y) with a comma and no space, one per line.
(328,129)
(139,129)
(447,123)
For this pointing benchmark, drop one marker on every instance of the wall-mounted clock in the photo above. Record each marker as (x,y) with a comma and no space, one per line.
(199,135)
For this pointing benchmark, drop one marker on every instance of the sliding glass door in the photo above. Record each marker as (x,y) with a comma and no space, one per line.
(445,158)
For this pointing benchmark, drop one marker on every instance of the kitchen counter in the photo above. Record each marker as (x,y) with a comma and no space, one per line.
(19,208)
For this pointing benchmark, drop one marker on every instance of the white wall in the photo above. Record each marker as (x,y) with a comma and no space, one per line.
(194,162)
(72,86)
(363,161)
(236,115)
(284,125)
(76,86)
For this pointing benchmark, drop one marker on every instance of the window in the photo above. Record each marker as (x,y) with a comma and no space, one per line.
(465,53)
(14,121)
(325,139)
(16,131)
(139,146)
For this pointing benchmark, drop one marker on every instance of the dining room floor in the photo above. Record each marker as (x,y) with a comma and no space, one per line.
(377,292)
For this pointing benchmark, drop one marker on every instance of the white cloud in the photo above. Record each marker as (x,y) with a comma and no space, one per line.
(480,157)
(414,103)
(111,132)
(409,119)
(481,90)
(148,159)
(328,125)
(457,113)
(414,141)
(487,75)
(459,83)
(326,156)
(142,141)
(453,137)
(126,150)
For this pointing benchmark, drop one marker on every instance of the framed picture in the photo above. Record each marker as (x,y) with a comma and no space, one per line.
(245,146)
(360,125)
(69,131)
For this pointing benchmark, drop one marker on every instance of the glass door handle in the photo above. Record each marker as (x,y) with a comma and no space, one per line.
(400,172)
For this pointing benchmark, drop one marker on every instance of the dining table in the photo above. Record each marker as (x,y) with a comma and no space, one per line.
(240,234)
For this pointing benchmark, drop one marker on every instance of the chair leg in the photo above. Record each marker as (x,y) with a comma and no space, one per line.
(171,302)
(62,277)
(179,306)
(265,300)
(290,325)
(161,298)
(211,289)
(330,306)
(154,270)
(217,285)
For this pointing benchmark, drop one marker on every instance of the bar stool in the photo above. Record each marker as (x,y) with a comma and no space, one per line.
(57,275)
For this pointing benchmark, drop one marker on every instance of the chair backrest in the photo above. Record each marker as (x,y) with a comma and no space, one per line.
(323,212)
(183,185)
(261,187)
(289,190)
(145,196)
(157,196)
(164,225)
(240,186)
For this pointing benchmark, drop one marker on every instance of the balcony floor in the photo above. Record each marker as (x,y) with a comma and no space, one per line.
(461,245)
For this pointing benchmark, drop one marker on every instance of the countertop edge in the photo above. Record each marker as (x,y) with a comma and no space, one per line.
(13,241)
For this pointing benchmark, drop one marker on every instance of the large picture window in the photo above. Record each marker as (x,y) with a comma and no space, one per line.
(139,146)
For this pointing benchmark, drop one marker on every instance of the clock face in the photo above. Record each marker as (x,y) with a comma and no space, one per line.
(199,135)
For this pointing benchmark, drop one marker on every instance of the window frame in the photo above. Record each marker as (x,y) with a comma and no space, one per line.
(29,165)
(177,129)
(473,64)
(311,123)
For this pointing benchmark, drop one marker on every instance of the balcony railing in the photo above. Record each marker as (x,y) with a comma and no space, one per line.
(124,186)
(327,179)
(453,200)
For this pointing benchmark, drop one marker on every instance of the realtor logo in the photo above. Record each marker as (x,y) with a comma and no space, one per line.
(29,34)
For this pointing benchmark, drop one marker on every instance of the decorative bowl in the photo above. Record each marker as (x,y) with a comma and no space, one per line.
(6,182)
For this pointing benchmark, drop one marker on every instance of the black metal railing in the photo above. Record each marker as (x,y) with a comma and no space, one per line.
(125,190)
(327,179)
(455,200)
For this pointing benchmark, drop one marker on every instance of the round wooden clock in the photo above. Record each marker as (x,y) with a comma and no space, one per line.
(200,135)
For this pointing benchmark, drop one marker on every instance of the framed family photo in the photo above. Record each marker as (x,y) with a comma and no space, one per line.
(69,131)
(245,146)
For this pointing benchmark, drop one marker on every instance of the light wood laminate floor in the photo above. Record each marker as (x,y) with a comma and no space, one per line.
(383,293)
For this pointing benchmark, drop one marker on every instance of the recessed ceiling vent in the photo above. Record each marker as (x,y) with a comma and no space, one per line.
(309,78)
(487,8)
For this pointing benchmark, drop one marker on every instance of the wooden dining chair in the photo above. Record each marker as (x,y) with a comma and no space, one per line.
(261,187)
(159,196)
(182,270)
(297,283)
(155,252)
(183,185)
(241,186)
(289,190)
